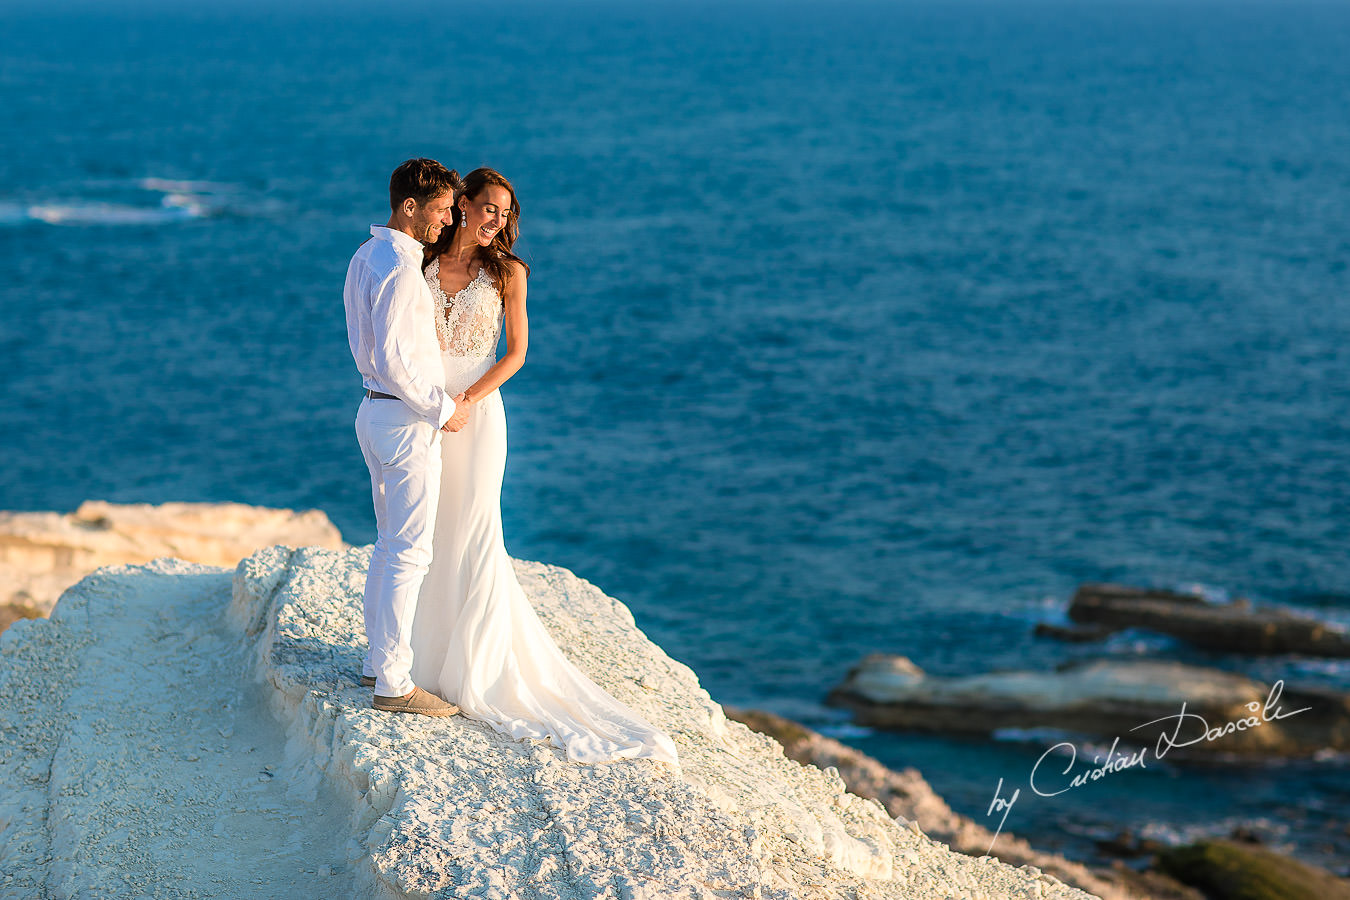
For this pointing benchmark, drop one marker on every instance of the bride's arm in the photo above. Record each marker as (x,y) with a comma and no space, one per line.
(517,330)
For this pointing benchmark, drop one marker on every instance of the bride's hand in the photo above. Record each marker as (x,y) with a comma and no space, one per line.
(461,416)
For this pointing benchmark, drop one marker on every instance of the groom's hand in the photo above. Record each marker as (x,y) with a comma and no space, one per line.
(460,418)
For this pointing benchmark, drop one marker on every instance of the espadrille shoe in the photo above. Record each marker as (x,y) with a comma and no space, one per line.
(419,701)
(367,681)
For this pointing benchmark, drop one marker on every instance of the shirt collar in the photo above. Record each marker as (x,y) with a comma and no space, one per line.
(398,238)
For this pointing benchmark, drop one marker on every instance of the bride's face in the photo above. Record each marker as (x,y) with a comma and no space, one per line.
(486,214)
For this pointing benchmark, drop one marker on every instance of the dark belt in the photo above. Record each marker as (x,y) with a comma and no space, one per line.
(376,395)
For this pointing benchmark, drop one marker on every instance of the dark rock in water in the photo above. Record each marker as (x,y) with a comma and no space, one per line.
(1126,844)
(1152,884)
(1226,715)
(1078,634)
(1231,627)
(1226,870)
(1245,835)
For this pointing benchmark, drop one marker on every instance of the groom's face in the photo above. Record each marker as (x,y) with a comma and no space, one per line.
(429,218)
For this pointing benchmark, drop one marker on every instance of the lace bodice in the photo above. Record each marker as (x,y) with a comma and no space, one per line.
(469,323)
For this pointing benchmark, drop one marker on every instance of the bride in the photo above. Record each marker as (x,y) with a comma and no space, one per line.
(476,640)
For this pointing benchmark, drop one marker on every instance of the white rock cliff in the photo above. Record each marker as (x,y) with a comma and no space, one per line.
(138,758)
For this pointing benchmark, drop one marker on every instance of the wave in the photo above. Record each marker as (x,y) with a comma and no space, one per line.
(172,186)
(846,731)
(1039,735)
(142,201)
(1211,593)
(112,213)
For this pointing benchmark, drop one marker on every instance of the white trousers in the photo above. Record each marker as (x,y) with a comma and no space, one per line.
(404,458)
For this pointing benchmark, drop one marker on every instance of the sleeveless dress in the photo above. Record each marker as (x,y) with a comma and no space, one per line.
(476,640)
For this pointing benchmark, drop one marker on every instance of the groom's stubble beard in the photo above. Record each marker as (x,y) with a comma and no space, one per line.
(428,232)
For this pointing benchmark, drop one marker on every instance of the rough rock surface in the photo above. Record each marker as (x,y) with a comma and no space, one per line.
(449,808)
(136,761)
(43,553)
(908,797)
(139,757)
(1108,698)
(1236,627)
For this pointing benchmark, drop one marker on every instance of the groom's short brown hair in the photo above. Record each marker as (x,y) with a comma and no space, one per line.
(420,179)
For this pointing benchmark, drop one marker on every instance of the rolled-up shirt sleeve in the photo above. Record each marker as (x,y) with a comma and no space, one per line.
(401,318)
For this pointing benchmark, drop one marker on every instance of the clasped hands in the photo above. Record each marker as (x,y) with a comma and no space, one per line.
(461,416)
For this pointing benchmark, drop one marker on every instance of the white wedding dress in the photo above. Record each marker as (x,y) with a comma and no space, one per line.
(476,640)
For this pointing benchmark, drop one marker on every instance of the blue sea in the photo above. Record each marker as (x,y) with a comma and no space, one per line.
(855,327)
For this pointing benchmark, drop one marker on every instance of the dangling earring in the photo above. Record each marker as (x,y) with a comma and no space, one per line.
(463,220)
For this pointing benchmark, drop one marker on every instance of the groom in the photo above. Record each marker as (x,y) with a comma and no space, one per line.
(392,333)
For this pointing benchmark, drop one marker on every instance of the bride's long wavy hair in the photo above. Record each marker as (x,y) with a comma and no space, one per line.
(496,257)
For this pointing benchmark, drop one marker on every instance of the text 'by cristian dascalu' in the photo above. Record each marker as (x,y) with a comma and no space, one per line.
(1187,728)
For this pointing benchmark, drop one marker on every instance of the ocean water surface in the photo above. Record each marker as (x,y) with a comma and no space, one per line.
(868,328)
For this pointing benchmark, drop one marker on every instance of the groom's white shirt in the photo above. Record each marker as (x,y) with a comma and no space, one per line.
(391,324)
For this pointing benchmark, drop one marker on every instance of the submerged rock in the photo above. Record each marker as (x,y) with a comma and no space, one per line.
(1225,715)
(1236,627)
(1228,870)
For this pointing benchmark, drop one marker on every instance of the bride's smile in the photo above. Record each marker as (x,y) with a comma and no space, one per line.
(487,215)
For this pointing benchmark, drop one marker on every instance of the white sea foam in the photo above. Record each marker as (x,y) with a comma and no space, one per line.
(142,201)
(1138,642)
(1209,592)
(1322,667)
(1032,735)
(112,213)
(1178,835)
(171,186)
(846,731)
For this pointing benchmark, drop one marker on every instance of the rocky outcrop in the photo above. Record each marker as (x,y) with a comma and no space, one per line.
(135,762)
(1226,715)
(1229,870)
(908,797)
(1236,627)
(43,553)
